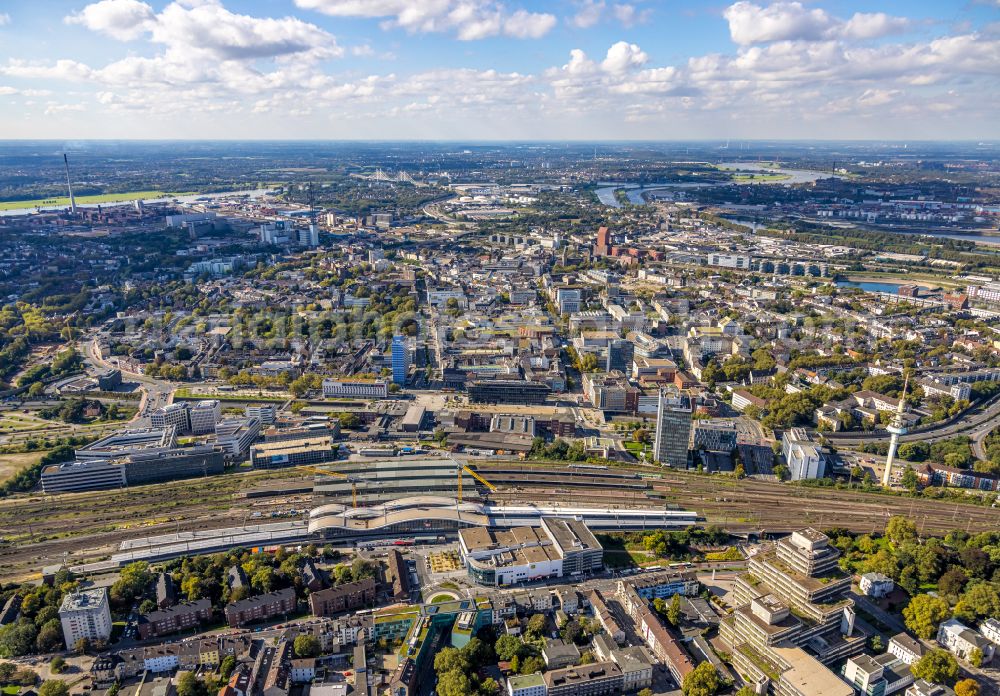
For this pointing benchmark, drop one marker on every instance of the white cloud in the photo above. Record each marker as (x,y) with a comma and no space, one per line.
(5,91)
(877,97)
(629,15)
(59,70)
(468,19)
(589,14)
(750,23)
(224,35)
(528,25)
(206,29)
(4,19)
(55,108)
(873,25)
(206,60)
(622,57)
(121,19)
(593,11)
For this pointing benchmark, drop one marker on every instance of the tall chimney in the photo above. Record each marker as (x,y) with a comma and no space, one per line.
(69,186)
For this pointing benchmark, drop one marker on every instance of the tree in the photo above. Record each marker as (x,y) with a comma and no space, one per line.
(479,653)
(952,582)
(57,665)
(451,659)
(536,624)
(572,632)
(910,480)
(674,610)
(17,639)
(508,647)
(936,666)
(900,530)
(703,680)
(531,664)
(975,562)
(979,601)
(976,658)
(453,683)
(7,670)
(53,687)
(188,684)
(50,637)
(924,613)
(131,582)
(227,666)
(25,677)
(81,645)
(967,687)
(306,646)
(646,692)
(147,607)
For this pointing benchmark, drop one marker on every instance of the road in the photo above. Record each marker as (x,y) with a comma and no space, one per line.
(981,420)
(155,393)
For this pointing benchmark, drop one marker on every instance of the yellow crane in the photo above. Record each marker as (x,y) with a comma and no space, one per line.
(326,472)
(464,468)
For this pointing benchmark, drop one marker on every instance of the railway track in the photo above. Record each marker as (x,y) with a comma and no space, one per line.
(43,530)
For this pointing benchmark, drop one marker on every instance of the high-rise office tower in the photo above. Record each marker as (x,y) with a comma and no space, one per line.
(620,354)
(401,359)
(673,429)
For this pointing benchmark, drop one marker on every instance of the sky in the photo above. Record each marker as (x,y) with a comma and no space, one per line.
(500,70)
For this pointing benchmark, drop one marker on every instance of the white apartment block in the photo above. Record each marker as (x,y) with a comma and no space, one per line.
(85,614)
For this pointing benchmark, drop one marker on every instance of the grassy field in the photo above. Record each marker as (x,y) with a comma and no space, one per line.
(10,464)
(760,176)
(99,198)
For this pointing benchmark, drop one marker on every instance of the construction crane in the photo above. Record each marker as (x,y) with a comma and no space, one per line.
(463,468)
(353,480)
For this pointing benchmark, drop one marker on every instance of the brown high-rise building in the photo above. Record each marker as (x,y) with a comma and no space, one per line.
(603,246)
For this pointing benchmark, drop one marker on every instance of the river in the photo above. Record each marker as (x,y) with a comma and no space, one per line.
(635,194)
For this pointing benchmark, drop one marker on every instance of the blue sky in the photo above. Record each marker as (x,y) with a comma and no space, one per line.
(486,69)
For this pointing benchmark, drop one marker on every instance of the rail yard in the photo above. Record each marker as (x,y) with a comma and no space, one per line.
(87,527)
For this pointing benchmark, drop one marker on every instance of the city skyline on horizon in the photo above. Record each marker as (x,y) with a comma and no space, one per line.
(481,70)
